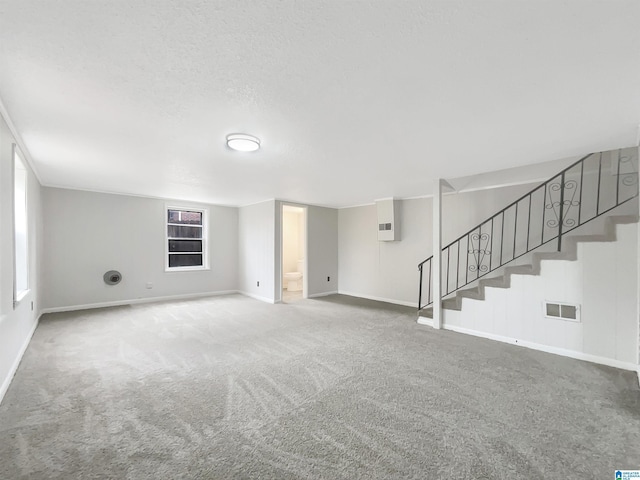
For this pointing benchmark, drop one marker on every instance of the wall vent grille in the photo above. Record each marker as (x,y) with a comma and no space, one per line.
(562,311)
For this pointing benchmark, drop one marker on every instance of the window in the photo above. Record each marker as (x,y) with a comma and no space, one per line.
(186,239)
(20,229)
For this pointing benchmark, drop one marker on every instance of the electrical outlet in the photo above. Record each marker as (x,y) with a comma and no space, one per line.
(149,285)
(328,279)
(257,283)
(32,306)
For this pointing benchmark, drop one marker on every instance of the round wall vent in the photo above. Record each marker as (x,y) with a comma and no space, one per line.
(112,277)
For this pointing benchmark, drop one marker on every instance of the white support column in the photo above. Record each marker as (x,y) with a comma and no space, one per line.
(437,249)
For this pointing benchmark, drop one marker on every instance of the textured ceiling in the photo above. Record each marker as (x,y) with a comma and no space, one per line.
(353,100)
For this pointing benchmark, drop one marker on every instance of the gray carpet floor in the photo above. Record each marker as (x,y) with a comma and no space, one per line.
(334,388)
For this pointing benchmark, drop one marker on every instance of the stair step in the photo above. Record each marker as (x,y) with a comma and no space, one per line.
(451,304)
(494,282)
(470,293)
(426,312)
(520,270)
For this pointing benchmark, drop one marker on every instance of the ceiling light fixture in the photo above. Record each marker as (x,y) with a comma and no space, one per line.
(243,142)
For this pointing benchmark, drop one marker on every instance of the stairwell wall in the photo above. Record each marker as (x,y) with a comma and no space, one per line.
(603,282)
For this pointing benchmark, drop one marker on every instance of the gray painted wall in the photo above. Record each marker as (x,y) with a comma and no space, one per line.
(322,244)
(89,233)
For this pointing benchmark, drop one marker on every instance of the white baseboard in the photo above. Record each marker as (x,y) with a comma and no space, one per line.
(322,294)
(134,301)
(257,297)
(548,349)
(380,299)
(16,363)
(425,321)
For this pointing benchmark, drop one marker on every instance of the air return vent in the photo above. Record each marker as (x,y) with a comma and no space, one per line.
(561,311)
(388,216)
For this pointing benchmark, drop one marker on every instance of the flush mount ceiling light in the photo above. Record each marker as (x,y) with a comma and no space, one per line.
(243,142)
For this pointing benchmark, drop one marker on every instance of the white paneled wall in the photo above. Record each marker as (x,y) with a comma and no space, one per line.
(256,250)
(603,281)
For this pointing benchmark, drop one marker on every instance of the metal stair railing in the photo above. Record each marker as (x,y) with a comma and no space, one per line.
(587,189)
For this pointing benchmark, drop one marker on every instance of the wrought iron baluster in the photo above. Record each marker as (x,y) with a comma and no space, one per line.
(466,278)
(560,220)
(458,266)
(491,247)
(529,221)
(628,178)
(515,232)
(502,238)
(599,177)
(618,181)
(581,188)
(479,252)
(562,207)
(429,294)
(420,289)
(544,212)
(448,255)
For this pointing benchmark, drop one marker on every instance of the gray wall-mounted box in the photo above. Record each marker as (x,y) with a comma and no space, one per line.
(388,220)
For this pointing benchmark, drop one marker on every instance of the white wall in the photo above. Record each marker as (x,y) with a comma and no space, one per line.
(603,281)
(16,325)
(89,233)
(257,250)
(388,271)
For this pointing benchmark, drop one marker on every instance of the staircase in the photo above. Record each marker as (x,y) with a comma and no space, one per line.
(582,203)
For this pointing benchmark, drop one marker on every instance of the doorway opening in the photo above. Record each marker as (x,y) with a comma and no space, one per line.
(294,254)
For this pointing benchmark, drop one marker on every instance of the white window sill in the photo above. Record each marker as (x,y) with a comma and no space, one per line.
(186,269)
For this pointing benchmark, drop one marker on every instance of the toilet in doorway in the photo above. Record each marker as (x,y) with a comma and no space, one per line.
(294,279)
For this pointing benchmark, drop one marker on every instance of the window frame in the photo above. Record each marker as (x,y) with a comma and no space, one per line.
(18,296)
(205,238)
